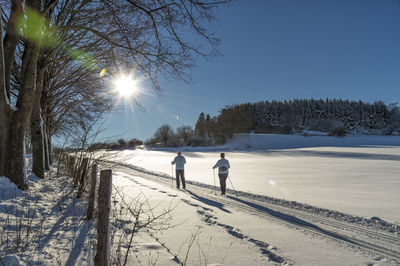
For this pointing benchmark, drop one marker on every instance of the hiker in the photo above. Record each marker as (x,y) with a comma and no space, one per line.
(180,169)
(223,166)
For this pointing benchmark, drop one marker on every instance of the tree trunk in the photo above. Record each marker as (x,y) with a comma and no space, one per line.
(46,150)
(10,41)
(16,163)
(21,117)
(5,111)
(4,130)
(49,148)
(44,107)
(37,129)
(46,115)
(24,108)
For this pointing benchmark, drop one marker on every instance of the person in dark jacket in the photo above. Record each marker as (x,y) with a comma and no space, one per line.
(223,166)
(180,169)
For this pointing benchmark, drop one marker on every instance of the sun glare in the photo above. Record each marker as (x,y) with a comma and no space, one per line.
(126,86)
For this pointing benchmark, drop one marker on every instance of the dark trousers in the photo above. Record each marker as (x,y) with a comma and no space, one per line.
(180,173)
(222,182)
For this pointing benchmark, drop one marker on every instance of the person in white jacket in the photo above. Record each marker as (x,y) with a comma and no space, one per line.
(180,169)
(223,166)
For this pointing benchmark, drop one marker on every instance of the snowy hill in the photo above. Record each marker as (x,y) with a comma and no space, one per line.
(273,141)
(264,142)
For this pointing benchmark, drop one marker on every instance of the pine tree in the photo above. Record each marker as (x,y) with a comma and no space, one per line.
(200,127)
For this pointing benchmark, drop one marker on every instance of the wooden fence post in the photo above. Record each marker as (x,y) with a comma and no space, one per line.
(71,165)
(92,195)
(82,175)
(76,173)
(103,222)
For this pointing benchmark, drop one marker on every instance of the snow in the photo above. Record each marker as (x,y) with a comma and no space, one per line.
(355,174)
(196,227)
(43,225)
(272,141)
(8,189)
(11,260)
(227,236)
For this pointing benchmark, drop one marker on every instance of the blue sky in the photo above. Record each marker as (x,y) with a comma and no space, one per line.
(280,50)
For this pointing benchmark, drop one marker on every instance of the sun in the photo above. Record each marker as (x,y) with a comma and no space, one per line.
(126,86)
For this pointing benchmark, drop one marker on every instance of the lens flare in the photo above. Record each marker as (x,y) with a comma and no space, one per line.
(102,72)
(83,58)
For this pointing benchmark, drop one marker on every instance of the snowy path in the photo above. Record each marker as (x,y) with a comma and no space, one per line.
(273,233)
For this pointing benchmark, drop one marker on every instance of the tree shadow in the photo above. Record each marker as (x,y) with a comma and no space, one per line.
(266,142)
(79,244)
(337,154)
(57,229)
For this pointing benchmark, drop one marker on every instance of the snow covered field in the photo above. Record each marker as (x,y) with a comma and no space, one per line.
(358,175)
(46,225)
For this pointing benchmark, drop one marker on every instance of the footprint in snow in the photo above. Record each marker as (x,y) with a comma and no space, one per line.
(196,205)
(265,248)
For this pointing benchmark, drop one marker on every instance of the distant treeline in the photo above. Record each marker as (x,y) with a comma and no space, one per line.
(336,117)
(119,144)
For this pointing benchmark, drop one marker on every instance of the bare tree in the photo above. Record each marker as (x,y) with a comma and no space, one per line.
(164,134)
(15,119)
(184,132)
(56,59)
(4,107)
